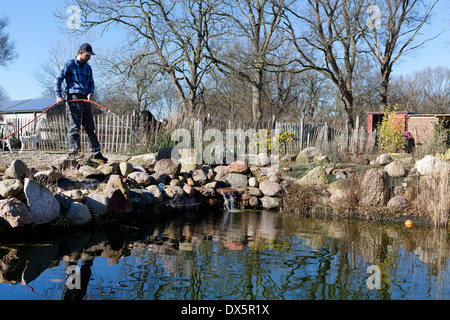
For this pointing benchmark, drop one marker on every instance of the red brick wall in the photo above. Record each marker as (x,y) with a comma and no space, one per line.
(421,128)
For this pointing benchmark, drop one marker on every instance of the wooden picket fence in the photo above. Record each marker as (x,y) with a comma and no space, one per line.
(122,134)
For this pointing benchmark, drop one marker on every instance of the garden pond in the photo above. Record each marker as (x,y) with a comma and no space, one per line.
(232,255)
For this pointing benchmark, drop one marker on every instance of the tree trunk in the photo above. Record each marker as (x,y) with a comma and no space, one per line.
(383,92)
(347,109)
(257,95)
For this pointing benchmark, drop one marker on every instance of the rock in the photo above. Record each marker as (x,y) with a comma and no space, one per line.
(89,172)
(173,192)
(158,178)
(271,189)
(109,168)
(42,204)
(17,170)
(97,203)
(321,159)
(10,188)
(263,159)
(253,202)
(15,213)
(211,185)
(175,182)
(236,180)
(117,191)
(48,175)
(141,197)
(125,168)
(206,192)
(64,201)
(78,214)
(168,166)
(145,160)
(432,166)
(289,157)
(341,184)
(220,172)
(253,191)
(301,159)
(383,160)
(143,178)
(199,176)
(398,204)
(316,175)
(237,167)
(395,169)
(270,203)
(312,152)
(362,160)
(75,195)
(168,153)
(189,190)
(374,188)
(341,197)
(252,182)
(157,194)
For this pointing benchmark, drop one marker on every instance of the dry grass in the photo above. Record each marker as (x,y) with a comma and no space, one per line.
(433,198)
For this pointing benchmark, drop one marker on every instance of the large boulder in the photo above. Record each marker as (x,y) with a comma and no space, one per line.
(432,166)
(146,160)
(97,203)
(15,213)
(17,170)
(42,205)
(126,168)
(374,188)
(317,175)
(237,167)
(90,172)
(236,180)
(143,178)
(10,188)
(118,194)
(395,169)
(78,214)
(270,203)
(398,204)
(269,188)
(382,160)
(168,166)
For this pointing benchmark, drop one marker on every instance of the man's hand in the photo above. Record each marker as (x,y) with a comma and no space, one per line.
(60,100)
(89,97)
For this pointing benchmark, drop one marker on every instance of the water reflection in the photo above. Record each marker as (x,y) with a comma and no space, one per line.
(231,255)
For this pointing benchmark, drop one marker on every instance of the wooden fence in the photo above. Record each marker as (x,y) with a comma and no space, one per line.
(122,134)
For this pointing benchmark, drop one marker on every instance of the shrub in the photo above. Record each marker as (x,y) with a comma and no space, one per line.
(390,132)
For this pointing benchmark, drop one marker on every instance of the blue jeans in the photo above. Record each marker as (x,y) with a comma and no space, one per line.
(80,113)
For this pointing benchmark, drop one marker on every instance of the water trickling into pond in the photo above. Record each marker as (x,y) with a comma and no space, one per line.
(232,255)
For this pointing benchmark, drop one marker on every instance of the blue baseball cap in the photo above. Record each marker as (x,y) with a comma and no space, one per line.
(86,47)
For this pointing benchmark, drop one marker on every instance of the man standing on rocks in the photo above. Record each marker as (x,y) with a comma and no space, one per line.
(79,86)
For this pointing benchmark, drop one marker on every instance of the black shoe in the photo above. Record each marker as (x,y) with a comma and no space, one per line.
(99,156)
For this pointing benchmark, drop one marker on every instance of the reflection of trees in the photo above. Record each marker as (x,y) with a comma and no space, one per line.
(243,255)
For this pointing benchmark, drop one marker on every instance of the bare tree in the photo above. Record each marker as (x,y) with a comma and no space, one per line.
(7,47)
(395,35)
(256,24)
(176,32)
(329,43)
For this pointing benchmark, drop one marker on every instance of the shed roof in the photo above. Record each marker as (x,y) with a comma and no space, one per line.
(25,106)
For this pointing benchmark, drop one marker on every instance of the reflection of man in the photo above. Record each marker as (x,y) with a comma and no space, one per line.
(71,292)
(79,86)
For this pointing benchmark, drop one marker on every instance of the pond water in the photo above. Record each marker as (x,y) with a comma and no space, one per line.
(232,255)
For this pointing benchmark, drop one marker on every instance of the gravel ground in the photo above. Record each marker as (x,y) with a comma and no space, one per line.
(43,159)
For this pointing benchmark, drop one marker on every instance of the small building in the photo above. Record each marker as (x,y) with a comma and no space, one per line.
(420,126)
(17,110)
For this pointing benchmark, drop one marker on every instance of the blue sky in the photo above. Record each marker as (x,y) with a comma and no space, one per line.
(34,29)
